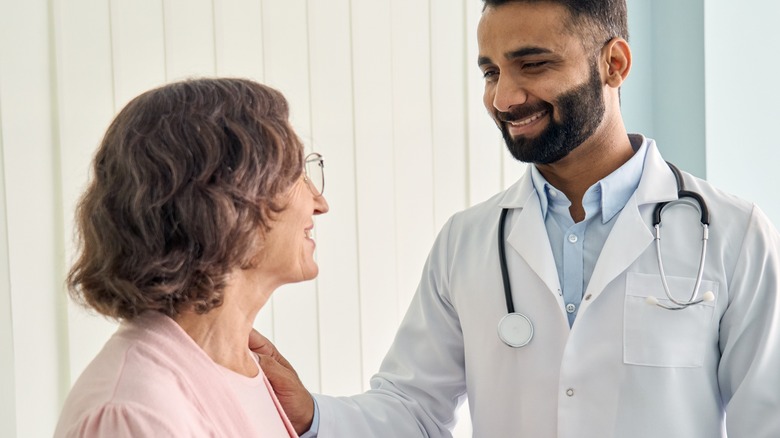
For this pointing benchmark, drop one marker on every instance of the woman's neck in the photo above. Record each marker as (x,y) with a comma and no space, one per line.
(223,332)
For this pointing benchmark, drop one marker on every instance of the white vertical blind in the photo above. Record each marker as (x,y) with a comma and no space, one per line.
(449,124)
(7,367)
(137,47)
(330,58)
(413,155)
(189,38)
(238,38)
(33,210)
(374,164)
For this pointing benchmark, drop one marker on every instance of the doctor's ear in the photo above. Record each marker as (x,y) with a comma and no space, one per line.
(616,54)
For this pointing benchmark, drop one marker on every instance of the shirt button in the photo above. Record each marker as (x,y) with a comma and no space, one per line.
(573,238)
(570,392)
(571,308)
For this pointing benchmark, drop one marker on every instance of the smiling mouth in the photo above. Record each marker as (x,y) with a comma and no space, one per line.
(528,120)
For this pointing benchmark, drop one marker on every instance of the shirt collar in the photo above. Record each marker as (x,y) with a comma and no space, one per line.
(609,195)
(543,190)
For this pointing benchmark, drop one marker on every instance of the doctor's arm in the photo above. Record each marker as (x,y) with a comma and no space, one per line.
(750,336)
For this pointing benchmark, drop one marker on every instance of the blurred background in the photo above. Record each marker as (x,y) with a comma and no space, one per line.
(388,91)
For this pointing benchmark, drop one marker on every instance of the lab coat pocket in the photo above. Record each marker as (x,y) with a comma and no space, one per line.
(653,336)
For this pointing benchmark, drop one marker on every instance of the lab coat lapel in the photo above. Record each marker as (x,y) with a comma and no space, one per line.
(528,235)
(628,240)
(631,234)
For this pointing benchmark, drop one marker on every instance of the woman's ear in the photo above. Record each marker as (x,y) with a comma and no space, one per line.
(617,55)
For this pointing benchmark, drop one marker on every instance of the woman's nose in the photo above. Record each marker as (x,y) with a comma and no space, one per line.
(320,205)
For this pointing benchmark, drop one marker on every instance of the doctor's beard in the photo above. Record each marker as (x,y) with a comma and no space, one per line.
(581,110)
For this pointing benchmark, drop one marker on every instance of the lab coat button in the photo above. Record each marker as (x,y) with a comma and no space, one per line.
(571,308)
(573,238)
(570,392)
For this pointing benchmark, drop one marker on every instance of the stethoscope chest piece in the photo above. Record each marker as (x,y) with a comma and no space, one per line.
(515,329)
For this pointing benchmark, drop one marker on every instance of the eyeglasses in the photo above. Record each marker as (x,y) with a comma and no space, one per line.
(314,173)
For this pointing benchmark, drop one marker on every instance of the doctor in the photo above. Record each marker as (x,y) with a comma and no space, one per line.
(581,262)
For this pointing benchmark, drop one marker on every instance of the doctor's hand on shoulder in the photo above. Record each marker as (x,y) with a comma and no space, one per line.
(297,402)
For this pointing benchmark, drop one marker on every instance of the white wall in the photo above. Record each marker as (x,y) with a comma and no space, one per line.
(664,96)
(387,90)
(742,95)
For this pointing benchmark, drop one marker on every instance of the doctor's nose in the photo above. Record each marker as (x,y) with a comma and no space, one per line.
(507,93)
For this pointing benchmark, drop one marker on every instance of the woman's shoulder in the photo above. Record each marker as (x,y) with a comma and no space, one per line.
(116,419)
(130,384)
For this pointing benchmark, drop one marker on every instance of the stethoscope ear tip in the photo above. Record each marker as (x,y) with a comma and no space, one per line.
(708,296)
(651,300)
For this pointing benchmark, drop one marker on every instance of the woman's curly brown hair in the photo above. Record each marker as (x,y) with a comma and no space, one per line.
(185,183)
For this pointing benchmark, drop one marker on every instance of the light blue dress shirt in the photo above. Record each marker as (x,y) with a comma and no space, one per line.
(576,246)
(315,423)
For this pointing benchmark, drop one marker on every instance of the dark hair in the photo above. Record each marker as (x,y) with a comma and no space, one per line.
(599,20)
(184,185)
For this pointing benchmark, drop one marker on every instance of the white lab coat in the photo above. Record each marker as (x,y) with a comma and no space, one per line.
(625,368)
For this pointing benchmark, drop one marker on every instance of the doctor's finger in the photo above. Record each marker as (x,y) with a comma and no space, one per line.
(260,345)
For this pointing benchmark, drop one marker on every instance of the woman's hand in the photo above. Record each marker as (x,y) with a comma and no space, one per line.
(295,399)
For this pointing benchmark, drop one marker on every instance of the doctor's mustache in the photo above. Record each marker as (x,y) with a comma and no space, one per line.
(523,112)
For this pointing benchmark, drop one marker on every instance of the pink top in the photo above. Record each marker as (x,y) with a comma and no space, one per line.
(152,379)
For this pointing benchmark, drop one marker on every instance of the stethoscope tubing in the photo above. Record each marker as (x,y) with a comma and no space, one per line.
(678,304)
(682,193)
(510,306)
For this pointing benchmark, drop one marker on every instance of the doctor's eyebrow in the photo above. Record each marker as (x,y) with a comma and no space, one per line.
(527,51)
(515,54)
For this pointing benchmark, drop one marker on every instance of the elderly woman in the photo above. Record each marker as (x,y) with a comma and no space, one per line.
(200,206)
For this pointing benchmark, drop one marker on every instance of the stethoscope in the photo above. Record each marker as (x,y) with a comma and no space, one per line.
(516,329)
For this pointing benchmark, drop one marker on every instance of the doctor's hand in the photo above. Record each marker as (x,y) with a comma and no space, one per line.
(295,399)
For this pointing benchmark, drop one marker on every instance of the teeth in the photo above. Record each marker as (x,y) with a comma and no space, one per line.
(524,122)
(309,234)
